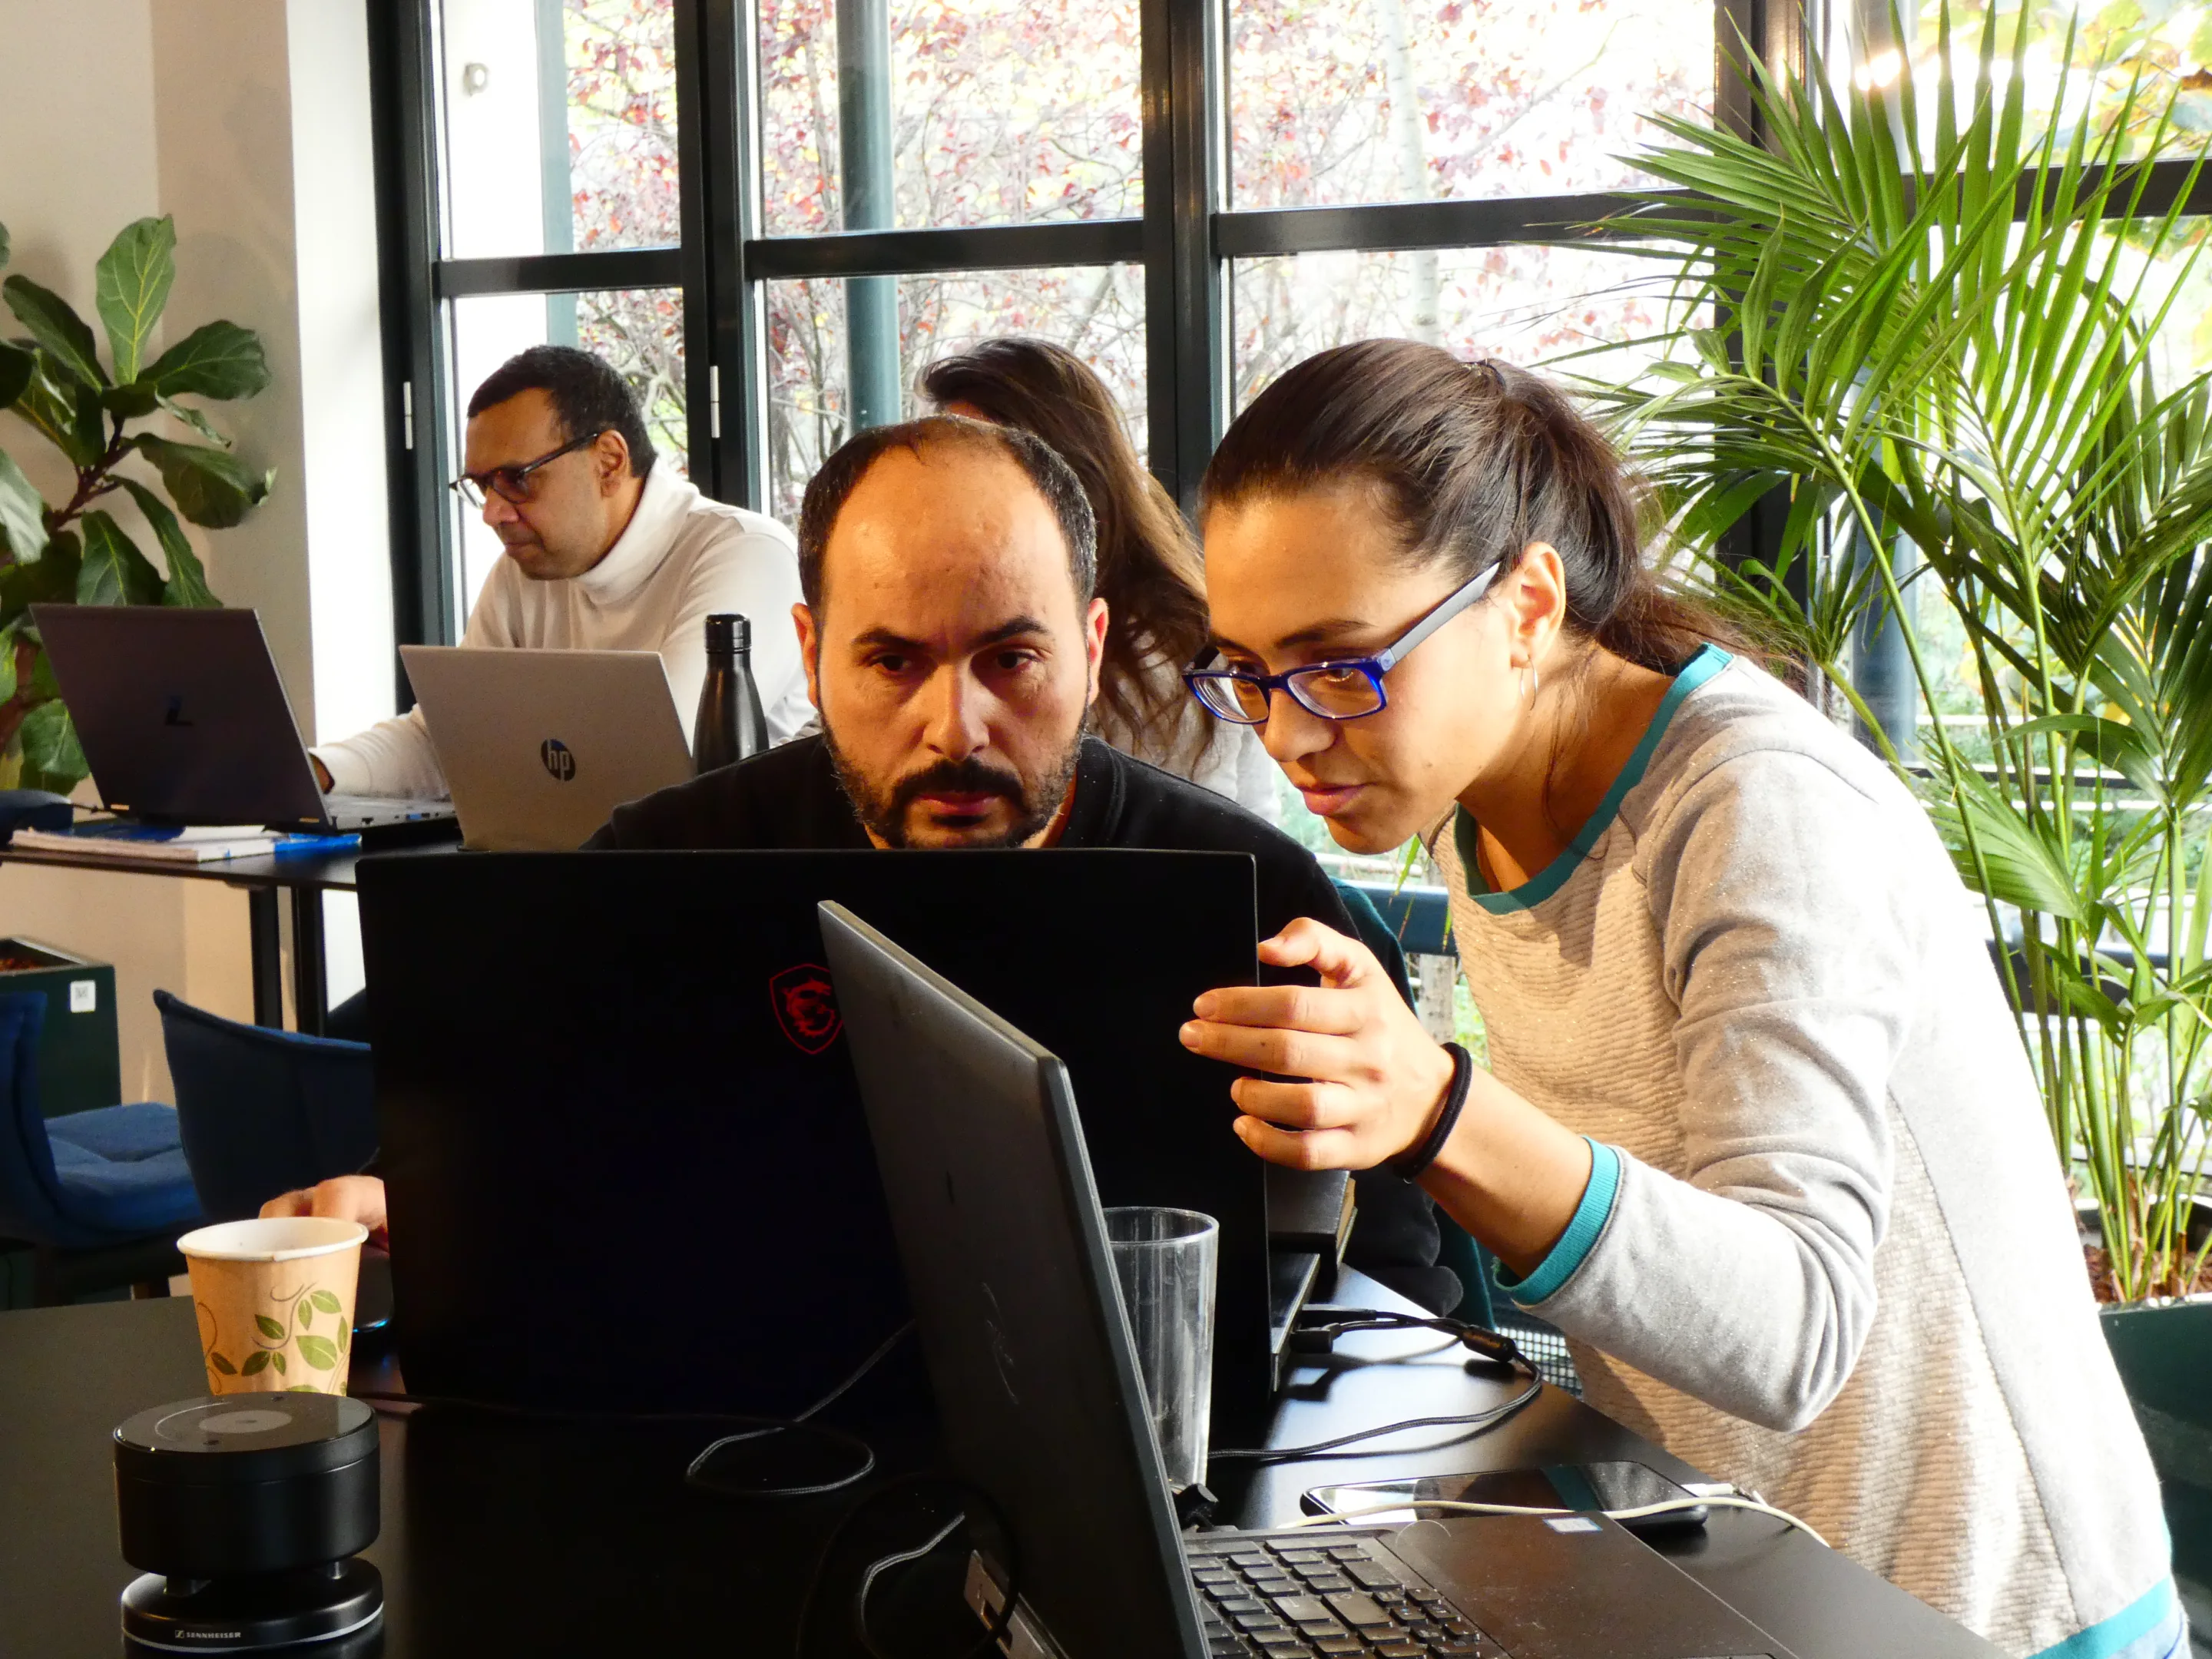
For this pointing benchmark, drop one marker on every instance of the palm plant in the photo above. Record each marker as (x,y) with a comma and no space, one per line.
(1933,337)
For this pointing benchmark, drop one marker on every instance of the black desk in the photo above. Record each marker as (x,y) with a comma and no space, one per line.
(502,1537)
(306,876)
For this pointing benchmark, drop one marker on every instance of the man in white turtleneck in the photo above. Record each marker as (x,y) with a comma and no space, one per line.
(606,550)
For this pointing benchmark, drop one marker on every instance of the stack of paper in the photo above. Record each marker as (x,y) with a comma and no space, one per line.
(199,843)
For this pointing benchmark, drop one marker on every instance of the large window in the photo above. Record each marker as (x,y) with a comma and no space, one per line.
(773,214)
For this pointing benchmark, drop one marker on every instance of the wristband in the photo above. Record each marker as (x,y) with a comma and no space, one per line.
(1415,1161)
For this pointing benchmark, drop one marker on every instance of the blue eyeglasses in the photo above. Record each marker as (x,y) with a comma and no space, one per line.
(1346,690)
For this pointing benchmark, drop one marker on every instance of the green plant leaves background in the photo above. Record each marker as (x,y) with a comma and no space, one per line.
(208,487)
(56,327)
(132,285)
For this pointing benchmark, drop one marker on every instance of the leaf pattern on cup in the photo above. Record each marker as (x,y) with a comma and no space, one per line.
(299,1309)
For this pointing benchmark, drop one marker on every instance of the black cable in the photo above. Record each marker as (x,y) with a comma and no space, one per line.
(1317,1327)
(883,1564)
(994,1628)
(760,1428)
(695,1475)
(1472,1424)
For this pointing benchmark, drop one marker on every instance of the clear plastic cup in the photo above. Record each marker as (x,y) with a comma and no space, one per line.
(1164,1261)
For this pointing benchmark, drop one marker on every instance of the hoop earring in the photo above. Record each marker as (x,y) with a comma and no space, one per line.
(1532,682)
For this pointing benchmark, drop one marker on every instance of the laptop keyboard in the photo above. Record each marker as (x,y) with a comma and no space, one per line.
(1286,1598)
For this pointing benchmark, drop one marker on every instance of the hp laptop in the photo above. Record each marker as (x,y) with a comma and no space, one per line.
(647,1046)
(539,747)
(1040,1404)
(183,720)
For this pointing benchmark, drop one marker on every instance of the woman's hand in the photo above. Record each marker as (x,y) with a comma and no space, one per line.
(346,1197)
(1378,1079)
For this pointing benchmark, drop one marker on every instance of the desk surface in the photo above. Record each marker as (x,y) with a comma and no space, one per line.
(322,871)
(510,1537)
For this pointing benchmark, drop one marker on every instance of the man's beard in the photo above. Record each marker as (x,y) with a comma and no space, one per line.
(885,816)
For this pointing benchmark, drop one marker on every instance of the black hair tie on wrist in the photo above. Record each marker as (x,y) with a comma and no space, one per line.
(1412,1162)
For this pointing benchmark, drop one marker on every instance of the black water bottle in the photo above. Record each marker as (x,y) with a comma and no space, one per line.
(732,725)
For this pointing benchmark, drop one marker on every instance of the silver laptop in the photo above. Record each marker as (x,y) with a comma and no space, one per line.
(539,747)
(183,720)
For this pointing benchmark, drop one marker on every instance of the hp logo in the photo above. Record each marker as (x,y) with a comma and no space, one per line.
(558,759)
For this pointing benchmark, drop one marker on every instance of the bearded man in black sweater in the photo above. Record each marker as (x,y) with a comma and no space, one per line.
(952,639)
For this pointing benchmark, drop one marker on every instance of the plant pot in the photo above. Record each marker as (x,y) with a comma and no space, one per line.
(2088,1227)
(79,1059)
(2164,1352)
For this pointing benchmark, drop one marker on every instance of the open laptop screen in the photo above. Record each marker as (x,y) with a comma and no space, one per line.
(1005,1249)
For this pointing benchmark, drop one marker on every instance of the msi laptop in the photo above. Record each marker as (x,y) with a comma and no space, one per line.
(991,1195)
(183,720)
(539,746)
(647,1045)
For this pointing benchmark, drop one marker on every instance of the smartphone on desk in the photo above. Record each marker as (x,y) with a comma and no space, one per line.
(1580,1488)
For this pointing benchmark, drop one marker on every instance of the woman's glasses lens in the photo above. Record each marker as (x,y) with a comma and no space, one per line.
(1234,699)
(1337,692)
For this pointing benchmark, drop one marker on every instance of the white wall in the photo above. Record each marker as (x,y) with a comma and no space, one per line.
(247,120)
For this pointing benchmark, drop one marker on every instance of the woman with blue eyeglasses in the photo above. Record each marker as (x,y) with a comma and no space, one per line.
(1759,1133)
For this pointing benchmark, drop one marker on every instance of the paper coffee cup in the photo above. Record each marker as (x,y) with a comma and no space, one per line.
(275,1301)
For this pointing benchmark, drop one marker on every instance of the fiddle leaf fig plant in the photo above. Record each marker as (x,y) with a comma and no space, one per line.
(77,552)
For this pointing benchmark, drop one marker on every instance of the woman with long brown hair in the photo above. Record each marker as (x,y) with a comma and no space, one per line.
(1759,1135)
(1148,572)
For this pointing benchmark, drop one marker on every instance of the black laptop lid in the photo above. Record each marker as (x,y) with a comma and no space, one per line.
(180,713)
(589,1060)
(1039,1398)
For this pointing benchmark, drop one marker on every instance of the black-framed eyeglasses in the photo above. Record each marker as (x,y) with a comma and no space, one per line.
(514,483)
(1347,690)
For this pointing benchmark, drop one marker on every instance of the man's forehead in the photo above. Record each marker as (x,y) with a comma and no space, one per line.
(949,533)
(518,429)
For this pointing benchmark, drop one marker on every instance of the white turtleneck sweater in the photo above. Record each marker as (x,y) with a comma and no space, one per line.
(681,558)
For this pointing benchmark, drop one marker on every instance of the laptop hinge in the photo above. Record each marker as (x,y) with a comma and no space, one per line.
(1026,1637)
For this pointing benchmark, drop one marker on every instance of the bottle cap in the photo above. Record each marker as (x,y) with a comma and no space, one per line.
(727,631)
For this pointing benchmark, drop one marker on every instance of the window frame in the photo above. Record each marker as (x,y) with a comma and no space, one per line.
(1184,240)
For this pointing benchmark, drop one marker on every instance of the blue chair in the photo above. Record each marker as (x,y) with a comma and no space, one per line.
(100,1195)
(265,1111)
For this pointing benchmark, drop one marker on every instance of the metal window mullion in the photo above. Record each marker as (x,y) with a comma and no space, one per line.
(1391,226)
(740,301)
(1185,168)
(695,178)
(560,273)
(402,114)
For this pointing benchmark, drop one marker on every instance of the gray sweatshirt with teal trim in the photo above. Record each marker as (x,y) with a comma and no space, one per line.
(1831,1256)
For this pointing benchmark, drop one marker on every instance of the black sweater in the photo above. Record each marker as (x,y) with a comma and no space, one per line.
(789,799)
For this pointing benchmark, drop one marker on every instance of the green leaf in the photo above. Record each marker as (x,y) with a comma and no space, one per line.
(216,359)
(52,757)
(16,367)
(52,580)
(208,487)
(67,413)
(10,638)
(131,402)
(345,1334)
(222,1364)
(57,328)
(256,1362)
(277,1360)
(187,584)
(114,571)
(4,244)
(130,284)
(22,513)
(305,1312)
(194,419)
(301,1388)
(326,1300)
(319,1352)
(269,1328)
